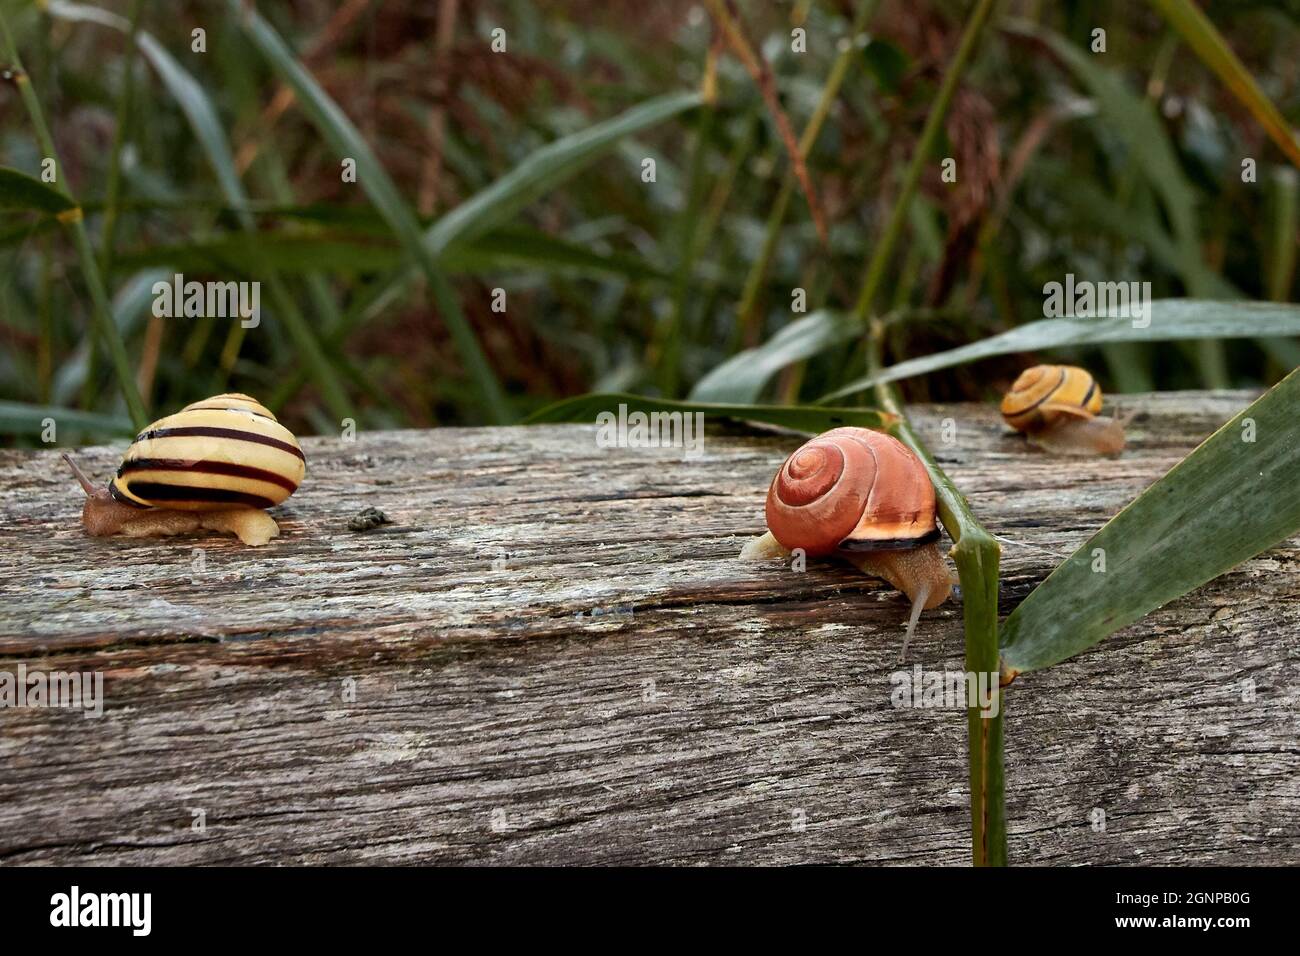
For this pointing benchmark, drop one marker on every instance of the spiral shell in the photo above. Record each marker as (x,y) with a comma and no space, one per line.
(851,489)
(227,451)
(1045,394)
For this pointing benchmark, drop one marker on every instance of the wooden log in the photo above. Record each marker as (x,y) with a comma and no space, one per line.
(553,655)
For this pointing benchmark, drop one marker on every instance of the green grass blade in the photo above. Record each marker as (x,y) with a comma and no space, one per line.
(1286,224)
(1227,501)
(205,123)
(121,125)
(1171,320)
(19,418)
(543,171)
(881,254)
(1128,114)
(346,140)
(509,250)
(742,377)
(189,95)
(1208,43)
(130,307)
(100,311)
(978,557)
(805,418)
(746,311)
(20,191)
(549,167)
(1133,119)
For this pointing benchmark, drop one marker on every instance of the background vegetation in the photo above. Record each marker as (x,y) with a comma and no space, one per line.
(796,244)
(1117,165)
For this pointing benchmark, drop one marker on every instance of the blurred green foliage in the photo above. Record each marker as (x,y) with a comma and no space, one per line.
(1117,165)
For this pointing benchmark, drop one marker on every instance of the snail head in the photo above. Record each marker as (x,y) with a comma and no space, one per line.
(101,514)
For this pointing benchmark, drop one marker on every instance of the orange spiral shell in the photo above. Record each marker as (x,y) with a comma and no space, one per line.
(1045,394)
(851,489)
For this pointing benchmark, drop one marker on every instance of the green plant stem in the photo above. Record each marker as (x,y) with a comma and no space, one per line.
(975,551)
(113,191)
(670,353)
(977,555)
(45,348)
(1285,219)
(747,311)
(1208,44)
(346,141)
(880,257)
(100,310)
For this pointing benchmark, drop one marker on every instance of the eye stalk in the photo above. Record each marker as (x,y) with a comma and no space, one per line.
(86,485)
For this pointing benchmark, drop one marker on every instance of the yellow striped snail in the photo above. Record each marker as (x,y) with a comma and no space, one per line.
(215,465)
(865,497)
(1056,406)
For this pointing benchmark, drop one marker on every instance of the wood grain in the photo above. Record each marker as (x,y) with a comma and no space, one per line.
(558,658)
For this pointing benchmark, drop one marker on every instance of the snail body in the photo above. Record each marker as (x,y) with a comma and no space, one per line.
(217,464)
(1057,407)
(865,497)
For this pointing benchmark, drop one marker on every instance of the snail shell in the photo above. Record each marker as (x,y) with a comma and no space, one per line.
(227,451)
(852,489)
(1046,394)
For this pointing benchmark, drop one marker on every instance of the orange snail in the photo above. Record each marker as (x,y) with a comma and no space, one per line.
(215,465)
(1057,406)
(865,497)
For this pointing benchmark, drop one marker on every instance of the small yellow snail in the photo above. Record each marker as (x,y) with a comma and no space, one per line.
(865,497)
(1057,406)
(215,464)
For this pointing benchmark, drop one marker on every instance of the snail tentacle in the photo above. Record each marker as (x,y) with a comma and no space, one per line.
(80,475)
(918,605)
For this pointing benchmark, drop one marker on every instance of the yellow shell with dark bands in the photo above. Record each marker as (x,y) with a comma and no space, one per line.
(224,452)
(1045,394)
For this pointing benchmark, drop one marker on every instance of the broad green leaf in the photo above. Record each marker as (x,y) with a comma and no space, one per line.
(543,171)
(813,419)
(20,191)
(1204,38)
(1170,320)
(347,142)
(19,418)
(1226,502)
(741,378)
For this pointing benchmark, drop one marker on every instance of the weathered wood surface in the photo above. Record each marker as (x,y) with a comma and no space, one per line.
(559,658)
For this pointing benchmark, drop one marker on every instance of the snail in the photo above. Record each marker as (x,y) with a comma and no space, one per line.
(865,497)
(215,464)
(1056,406)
